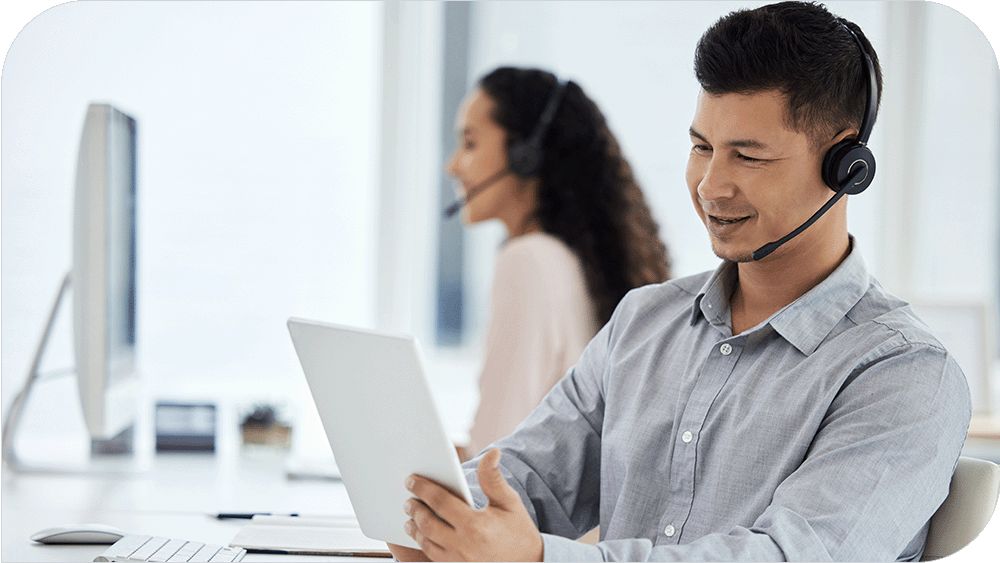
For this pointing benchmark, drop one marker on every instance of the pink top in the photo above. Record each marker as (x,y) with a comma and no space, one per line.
(541,318)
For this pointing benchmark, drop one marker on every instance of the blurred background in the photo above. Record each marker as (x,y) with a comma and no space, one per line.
(290,163)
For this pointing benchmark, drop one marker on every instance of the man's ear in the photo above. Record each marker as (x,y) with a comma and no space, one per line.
(823,149)
(850,132)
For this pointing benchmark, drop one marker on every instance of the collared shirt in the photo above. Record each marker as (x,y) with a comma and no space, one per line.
(830,431)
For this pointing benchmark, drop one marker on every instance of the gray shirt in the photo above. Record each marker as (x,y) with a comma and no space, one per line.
(830,431)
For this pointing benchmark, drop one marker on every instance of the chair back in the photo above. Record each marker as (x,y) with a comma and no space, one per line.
(967,509)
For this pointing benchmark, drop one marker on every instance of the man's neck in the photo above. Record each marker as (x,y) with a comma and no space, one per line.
(763,288)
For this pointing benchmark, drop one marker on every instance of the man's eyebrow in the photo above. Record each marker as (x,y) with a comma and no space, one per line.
(696,134)
(735,143)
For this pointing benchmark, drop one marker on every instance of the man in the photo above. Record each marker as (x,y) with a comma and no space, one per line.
(783,407)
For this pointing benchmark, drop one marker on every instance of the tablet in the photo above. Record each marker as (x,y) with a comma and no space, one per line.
(380,420)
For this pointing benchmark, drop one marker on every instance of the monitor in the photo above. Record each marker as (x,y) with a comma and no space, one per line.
(104,272)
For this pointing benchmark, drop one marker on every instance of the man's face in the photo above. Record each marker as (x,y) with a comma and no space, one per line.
(752,180)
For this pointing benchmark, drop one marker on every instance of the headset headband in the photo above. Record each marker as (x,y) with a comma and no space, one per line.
(868,121)
(547,115)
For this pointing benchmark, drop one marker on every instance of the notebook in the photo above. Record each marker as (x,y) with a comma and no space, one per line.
(308,536)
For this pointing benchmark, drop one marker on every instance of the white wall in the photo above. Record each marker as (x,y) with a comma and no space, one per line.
(258,125)
(410,166)
(958,191)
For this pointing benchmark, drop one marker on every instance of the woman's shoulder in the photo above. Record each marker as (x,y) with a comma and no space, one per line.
(539,256)
(537,248)
(541,270)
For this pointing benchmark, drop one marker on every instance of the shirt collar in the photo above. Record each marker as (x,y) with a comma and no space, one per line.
(712,301)
(805,322)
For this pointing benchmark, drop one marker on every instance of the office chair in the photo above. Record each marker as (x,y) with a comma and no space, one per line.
(968,507)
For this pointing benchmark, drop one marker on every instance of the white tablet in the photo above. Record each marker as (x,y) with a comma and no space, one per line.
(380,419)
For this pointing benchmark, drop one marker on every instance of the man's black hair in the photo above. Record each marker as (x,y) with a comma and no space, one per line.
(799,49)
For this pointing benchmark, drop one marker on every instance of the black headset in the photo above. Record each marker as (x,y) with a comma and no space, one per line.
(850,153)
(524,156)
(849,166)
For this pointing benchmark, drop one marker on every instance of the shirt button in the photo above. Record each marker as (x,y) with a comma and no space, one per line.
(687,436)
(669,531)
(726,349)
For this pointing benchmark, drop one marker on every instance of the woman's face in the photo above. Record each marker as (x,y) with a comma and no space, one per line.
(481,153)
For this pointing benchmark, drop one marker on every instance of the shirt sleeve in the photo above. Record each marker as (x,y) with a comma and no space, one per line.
(553,459)
(520,341)
(877,470)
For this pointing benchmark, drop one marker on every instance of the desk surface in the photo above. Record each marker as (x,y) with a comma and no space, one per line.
(172,498)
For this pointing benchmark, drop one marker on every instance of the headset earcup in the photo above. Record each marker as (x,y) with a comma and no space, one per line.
(842,159)
(831,162)
(524,159)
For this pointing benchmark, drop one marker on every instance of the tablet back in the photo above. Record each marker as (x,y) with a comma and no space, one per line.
(380,419)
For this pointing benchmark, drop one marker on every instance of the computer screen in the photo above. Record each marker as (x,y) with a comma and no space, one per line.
(121,247)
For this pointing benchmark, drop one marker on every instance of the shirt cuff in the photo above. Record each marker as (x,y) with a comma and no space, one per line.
(558,548)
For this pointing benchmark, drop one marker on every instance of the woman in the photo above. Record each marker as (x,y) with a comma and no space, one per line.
(537,154)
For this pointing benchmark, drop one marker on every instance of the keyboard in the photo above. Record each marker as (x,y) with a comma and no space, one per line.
(151,548)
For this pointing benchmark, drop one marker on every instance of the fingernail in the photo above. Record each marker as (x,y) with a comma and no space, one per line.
(408,507)
(409,527)
(410,483)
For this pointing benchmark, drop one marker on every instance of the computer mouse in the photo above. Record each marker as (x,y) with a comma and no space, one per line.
(79,534)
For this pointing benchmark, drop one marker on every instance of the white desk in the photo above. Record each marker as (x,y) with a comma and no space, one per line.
(174,496)
(172,499)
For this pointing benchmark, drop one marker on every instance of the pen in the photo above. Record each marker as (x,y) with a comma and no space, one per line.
(248,515)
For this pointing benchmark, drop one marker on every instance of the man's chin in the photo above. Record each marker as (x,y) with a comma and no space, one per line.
(731,253)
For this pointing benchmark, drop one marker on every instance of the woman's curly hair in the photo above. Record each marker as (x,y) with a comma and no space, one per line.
(587,196)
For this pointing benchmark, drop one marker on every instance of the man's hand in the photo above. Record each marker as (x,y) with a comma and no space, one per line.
(447,529)
(406,554)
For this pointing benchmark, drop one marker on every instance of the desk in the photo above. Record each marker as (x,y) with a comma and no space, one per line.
(172,498)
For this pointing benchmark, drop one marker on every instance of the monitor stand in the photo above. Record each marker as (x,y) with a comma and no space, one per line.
(123,443)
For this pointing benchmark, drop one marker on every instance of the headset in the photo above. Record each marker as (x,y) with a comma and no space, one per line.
(524,156)
(849,166)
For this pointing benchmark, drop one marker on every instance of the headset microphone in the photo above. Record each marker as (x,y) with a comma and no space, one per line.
(474,191)
(849,166)
(855,178)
